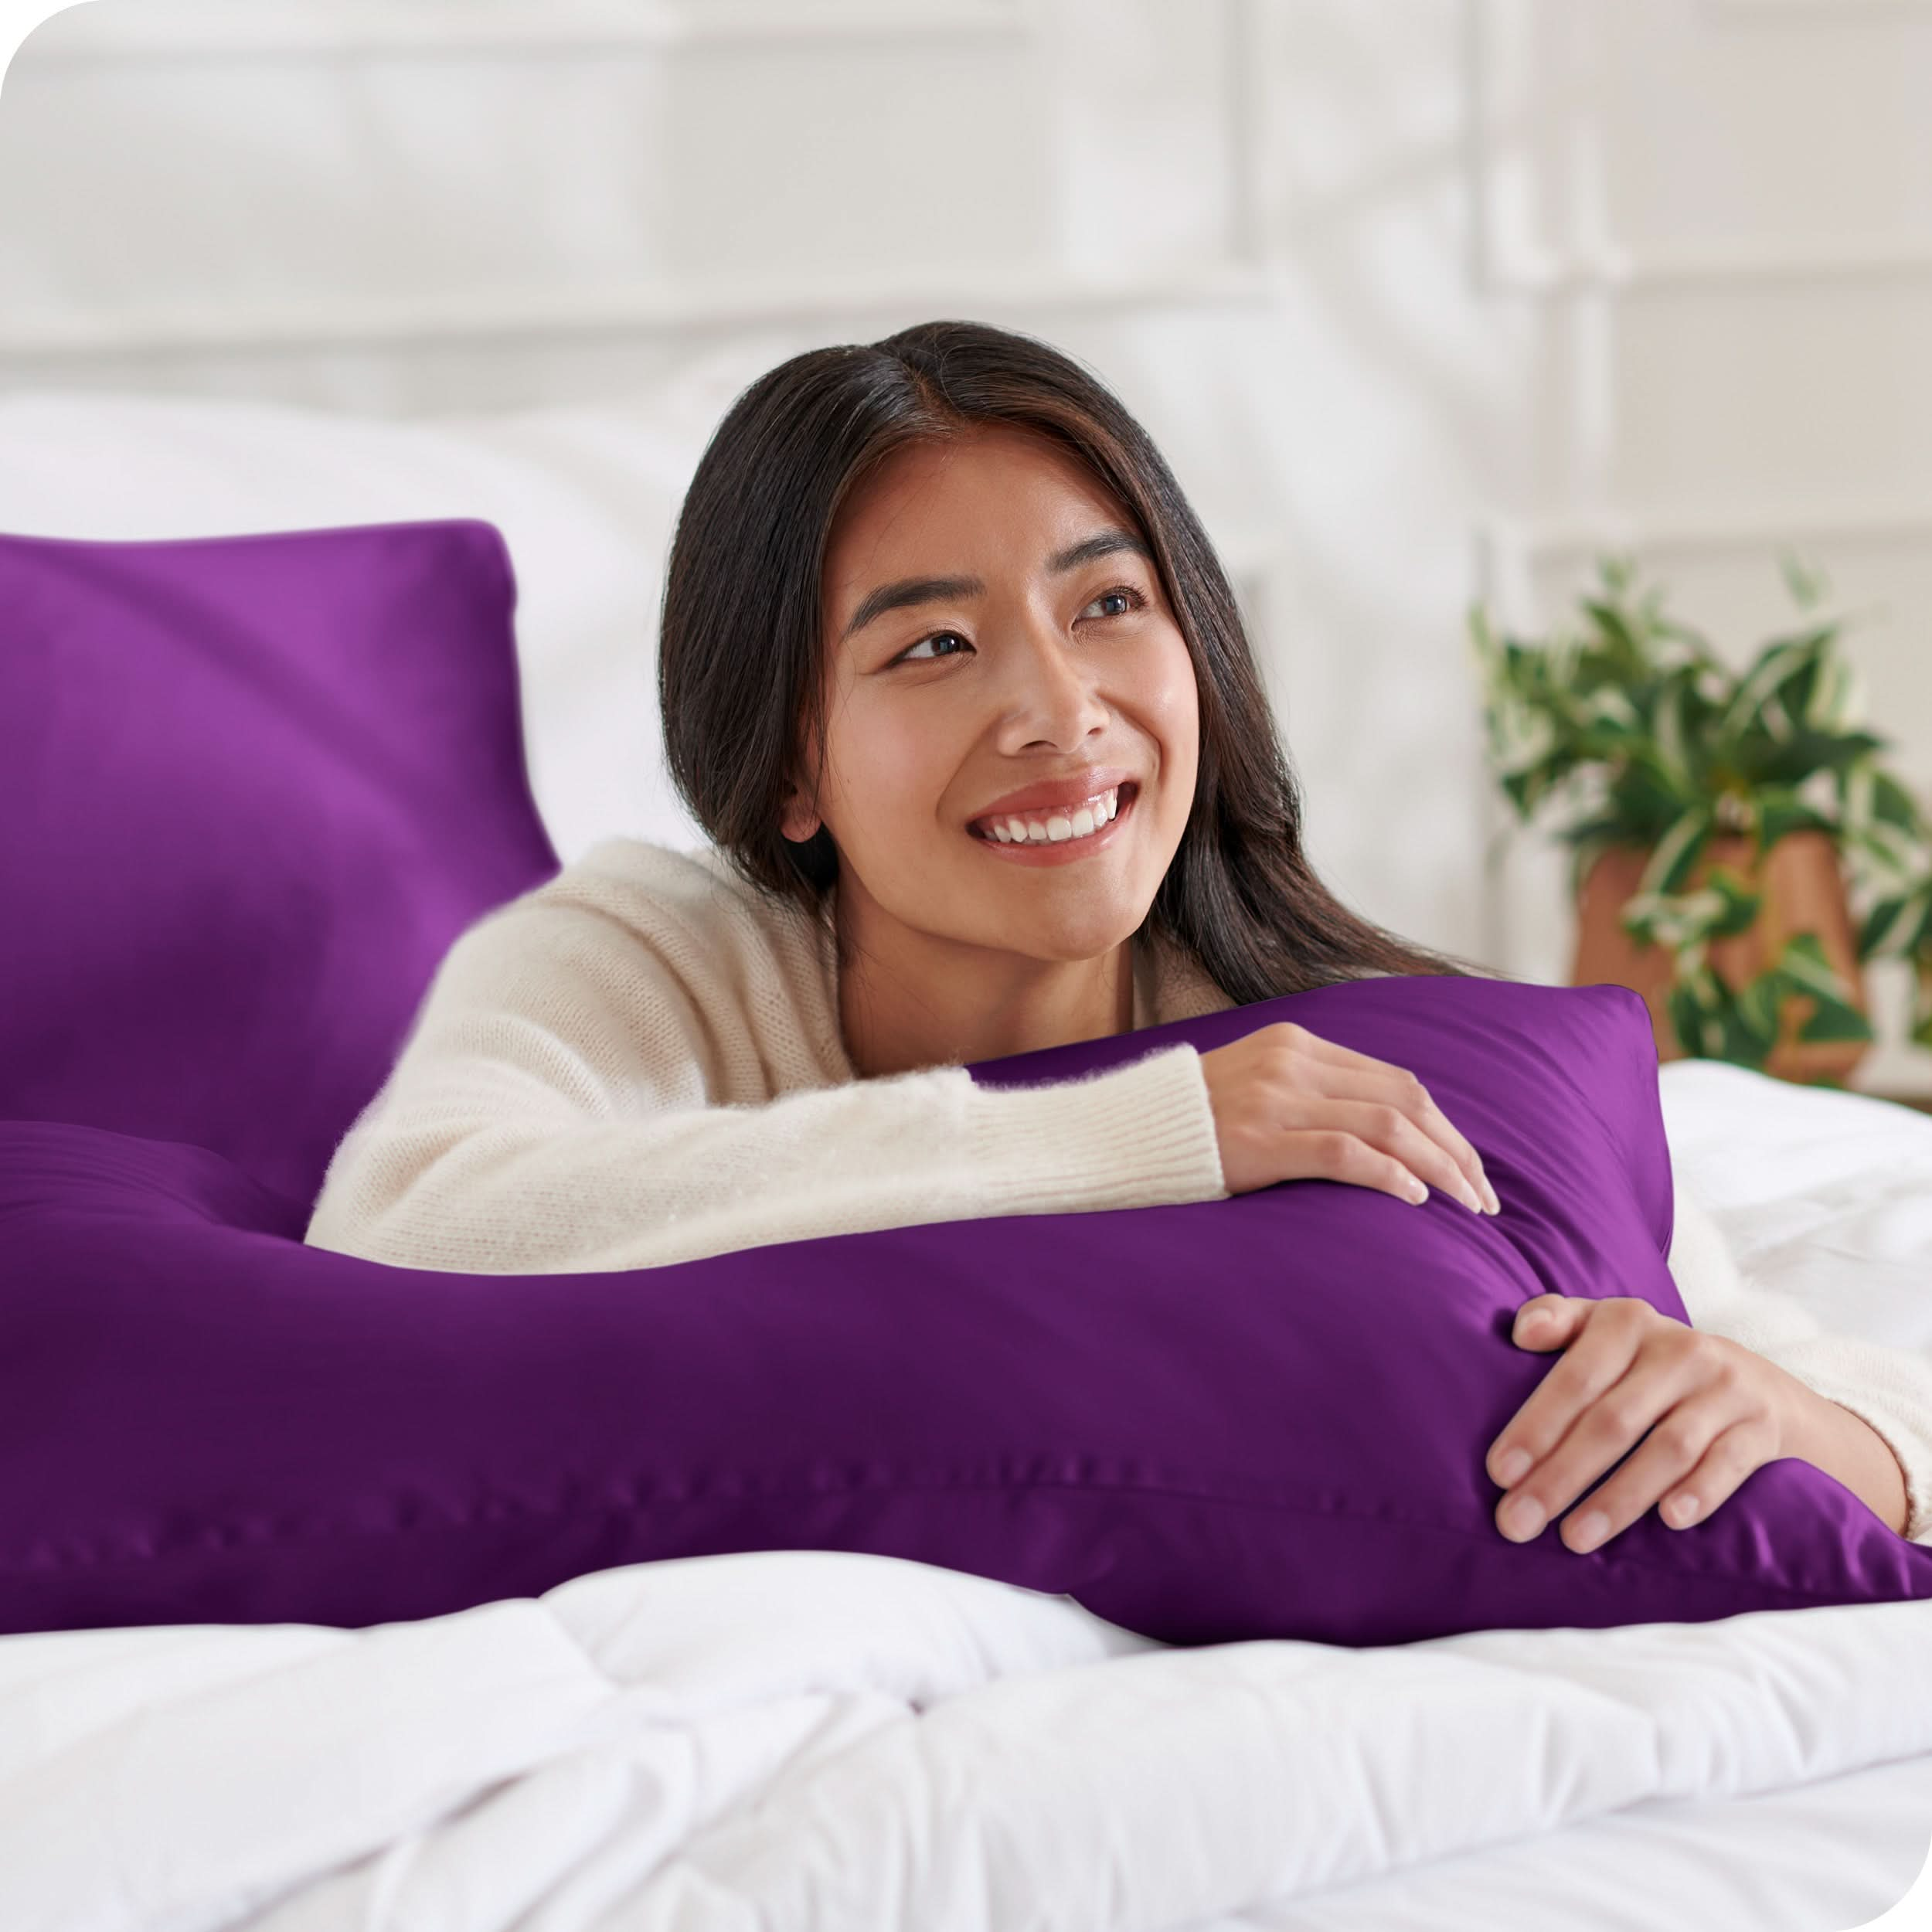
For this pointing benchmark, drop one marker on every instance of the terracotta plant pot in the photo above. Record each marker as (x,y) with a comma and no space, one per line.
(1804,892)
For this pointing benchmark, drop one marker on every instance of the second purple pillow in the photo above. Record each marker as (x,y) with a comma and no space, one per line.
(253,787)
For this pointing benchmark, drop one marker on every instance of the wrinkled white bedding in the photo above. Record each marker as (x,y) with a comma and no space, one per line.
(819,1740)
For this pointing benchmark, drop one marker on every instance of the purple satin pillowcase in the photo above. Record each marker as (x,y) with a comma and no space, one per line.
(1261,1417)
(254,787)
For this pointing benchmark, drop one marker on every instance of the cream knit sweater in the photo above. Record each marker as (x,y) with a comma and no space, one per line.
(640,1061)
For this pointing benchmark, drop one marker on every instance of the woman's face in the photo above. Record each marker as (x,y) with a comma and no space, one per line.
(993,620)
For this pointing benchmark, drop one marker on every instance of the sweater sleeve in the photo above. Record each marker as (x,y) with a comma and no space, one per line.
(1890,1389)
(549,1113)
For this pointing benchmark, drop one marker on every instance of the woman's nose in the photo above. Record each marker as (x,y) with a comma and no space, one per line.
(1047,672)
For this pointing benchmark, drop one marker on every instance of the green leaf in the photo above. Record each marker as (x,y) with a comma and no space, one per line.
(1677,851)
(1618,572)
(1780,809)
(1647,799)
(1748,1033)
(1834,1020)
(1740,902)
(1760,1006)
(1674,757)
(1806,587)
(1777,661)
(1835,696)
(1809,972)
(1687,1020)
(1693,640)
(1673,923)
(1892,804)
(1792,699)
(1892,925)
(1920,1031)
(1766,761)
(1713,1021)
(1889,854)
(1803,959)
(1627,655)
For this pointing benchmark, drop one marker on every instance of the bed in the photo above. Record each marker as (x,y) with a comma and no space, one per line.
(821,1739)
(816,1738)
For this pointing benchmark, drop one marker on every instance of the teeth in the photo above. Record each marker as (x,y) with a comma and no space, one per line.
(1057,827)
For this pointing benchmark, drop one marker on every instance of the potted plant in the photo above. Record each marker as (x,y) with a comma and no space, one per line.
(1714,818)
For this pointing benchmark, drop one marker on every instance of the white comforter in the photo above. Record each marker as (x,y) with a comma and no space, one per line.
(812,1740)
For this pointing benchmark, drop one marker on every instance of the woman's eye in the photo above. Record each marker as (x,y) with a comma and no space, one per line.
(938,637)
(1132,600)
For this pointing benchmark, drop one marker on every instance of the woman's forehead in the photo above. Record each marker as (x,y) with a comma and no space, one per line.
(997,478)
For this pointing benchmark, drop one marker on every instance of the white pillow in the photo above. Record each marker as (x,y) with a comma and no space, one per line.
(587,498)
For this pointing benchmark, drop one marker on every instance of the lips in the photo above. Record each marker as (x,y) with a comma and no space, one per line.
(1061,794)
(1127,790)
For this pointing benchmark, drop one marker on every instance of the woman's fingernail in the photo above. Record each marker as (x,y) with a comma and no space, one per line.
(1591,1531)
(1522,1519)
(1513,1466)
(1495,1206)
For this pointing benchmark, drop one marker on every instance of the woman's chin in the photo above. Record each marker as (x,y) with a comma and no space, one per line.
(1065,935)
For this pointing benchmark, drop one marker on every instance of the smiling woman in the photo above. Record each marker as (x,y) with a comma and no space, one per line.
(951,676)
(983,605)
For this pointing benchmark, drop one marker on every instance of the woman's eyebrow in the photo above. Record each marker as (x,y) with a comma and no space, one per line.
(911,590)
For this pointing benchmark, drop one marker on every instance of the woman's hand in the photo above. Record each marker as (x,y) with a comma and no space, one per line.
(1291,1106)
(1706,1410)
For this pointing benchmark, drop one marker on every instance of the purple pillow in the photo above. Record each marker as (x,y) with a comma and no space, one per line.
(254,787)
(1265,1416)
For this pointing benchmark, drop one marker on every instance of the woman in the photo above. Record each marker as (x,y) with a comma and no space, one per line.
(953,679)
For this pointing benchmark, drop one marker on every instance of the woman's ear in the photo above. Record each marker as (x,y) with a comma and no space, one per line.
(796,818)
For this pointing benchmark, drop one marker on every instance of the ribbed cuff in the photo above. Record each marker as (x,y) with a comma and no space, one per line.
(1135,1136)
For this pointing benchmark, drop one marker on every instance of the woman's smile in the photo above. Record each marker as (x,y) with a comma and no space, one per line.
(1053,851)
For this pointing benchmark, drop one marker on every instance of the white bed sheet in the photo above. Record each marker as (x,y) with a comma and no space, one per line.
(819,1740)
(1824,1856)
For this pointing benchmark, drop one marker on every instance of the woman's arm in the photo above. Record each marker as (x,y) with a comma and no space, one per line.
(1846,1446)
(550,1113)
(1868,1419)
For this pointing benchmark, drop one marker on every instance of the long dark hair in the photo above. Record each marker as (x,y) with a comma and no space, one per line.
(739,663)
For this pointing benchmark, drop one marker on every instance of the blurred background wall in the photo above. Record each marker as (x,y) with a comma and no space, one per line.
(1426,301)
